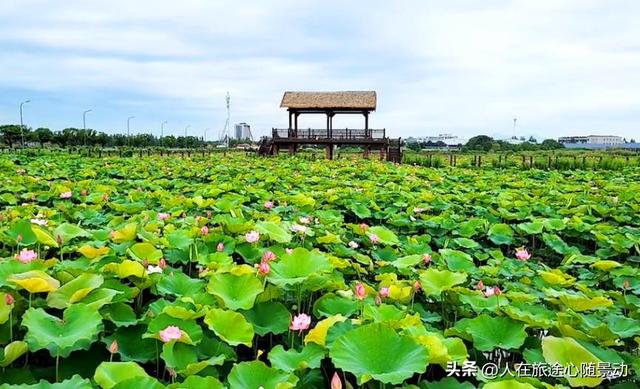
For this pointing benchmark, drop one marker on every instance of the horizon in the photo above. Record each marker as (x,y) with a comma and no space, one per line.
(561,68)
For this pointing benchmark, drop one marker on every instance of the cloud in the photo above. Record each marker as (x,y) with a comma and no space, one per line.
(561,67)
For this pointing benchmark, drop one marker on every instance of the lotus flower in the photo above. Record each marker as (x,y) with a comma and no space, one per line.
(480,285)
(153,269)
(170,333)
(27,256)
(20,171)
(377,300)
(335,381)
(8,299)
(384,292)
(84,192)
(418,210)
(305,220)
(361,292)
(268,256)
(163,216)
(66,195)
(220,247)
(113,347)
(105,197)
(364,226)
(264,268)
(252,236)
(492,291)
(522,254)
(40,222)
(300,322)
(298,228)
(268,204)
(204,231)
(162,263)
(353,245)
(208,214)
(417,286)
(625,284)
(374,238)
(426,258)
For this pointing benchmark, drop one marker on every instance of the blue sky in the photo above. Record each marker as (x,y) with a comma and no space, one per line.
(561,67)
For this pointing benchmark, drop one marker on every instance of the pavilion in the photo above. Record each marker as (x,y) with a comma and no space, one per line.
(331,104)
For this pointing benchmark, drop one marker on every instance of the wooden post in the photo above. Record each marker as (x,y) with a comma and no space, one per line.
(289,119)
(455,160)
(329,152)
(549,165)
(584,162)
(531,161)
(479,160)
(523,161)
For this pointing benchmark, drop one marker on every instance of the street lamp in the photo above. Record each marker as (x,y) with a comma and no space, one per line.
(185,135)
(21,123)
(162,133)
(204,138)
(128,131)
(84,124)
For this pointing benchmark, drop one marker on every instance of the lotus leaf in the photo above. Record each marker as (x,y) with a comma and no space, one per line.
(236,291)
(230,326)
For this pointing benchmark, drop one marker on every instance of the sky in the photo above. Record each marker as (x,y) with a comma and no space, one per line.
(466,67)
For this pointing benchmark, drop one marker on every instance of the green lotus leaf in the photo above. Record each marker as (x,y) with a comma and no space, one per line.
(531,314)
(407,261)
(457,260)
(5,309)
(12,351)
(508,384)
(466,243)
(197,382)
(447,383)
(479,302)
(22,229)
(434,281)
(297,267)
(532,228)
(132,346)
(366,350)
(581,303)
(558,245)
(184,358)
(230,326)
(385,235)
(69,231)
(189,327)
(274,231)
(269,317)
(624,327)
(566,351)
(126,268)
(145,251)
(383,312)
(236,291)
(256,374)
(179,239)
(180,284)
(120,314)
(109,374)
(35,281)
(44,237)
(75,382)
(139,382)
(78,329)
(74,291)
(291,360)
(501,234)
(489,332)
(330,304)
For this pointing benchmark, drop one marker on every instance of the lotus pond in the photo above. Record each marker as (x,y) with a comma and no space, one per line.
(243,272)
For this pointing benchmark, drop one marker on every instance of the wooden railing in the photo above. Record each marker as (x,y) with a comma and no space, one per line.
(335,133)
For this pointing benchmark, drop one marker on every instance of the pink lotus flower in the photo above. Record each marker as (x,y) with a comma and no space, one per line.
(300,322)
(361,292)
(364,226)
(289,251)
(163,216)
(264,268)
(170,333)
(162,263)
(298,228)
(522,254)
(268,256)
(335,381)
(40,222)
(66,195)
(208,214)
(374,238)
(419,210)
(426,258)
(353,245)
(305,220)
(480,285)
(153,270)
(268,204)
(113,347)
(492,291)
(625,284)
(105,197)
(220,247)
(384,292)
(8,299)
(27,256)
(20,171)
(84,192)
(204,231)
(252,236)
(417,286)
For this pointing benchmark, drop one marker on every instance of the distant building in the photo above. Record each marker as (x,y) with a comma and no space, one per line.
(447,139)
(514,140)
(242,131)
(603,140)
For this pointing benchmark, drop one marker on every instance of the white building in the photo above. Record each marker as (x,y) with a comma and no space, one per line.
(448,139)
(607,140)
(242,131)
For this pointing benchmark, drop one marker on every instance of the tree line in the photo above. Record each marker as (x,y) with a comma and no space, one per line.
(11,136)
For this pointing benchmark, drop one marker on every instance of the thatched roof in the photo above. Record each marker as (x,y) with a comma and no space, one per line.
(365,100)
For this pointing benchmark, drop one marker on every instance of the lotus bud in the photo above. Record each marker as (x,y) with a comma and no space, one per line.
(220,247)
(8,299)
(113,347)
(335,381)
(625,284)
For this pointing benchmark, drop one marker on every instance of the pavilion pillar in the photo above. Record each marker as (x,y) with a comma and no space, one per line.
(329,152)
(289,119)
(366,120)
(367,151)
(383,153)
(296,123)
(328,125)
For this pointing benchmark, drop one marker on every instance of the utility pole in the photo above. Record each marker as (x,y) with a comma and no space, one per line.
(21,123)
(84,124)
(128,130)
(162,133)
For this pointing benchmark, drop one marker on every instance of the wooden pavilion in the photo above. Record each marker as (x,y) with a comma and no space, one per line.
(331,104)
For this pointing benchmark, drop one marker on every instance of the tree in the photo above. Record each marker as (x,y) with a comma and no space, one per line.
(532,140)
(43,135)
(551,144)
(10,134)
(480,142)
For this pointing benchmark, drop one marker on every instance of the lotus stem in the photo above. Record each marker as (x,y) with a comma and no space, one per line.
(58,367)
(157,361)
